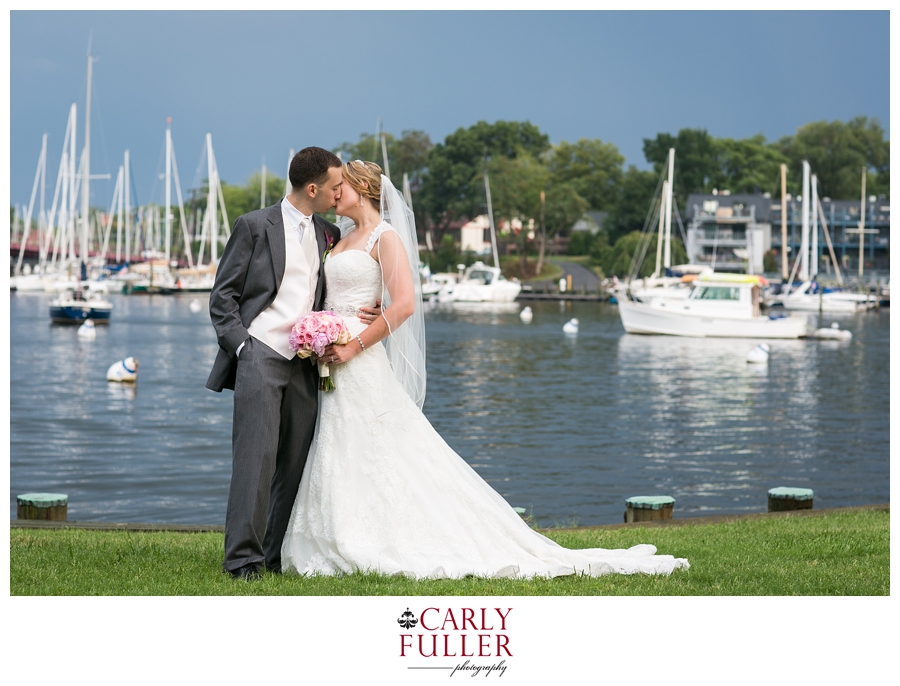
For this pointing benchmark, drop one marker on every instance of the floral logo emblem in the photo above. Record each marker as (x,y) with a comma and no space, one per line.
(407,620)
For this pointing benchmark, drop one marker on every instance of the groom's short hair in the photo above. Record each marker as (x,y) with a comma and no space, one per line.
(311,165)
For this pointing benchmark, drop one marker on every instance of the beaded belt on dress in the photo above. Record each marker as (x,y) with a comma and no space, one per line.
(343,310)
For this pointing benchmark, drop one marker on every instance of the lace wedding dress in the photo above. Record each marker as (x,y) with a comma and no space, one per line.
(383,492)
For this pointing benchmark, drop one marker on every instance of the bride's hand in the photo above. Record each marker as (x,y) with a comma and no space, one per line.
(338,354)
(367,315)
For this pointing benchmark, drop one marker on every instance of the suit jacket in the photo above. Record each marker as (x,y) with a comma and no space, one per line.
(248,278)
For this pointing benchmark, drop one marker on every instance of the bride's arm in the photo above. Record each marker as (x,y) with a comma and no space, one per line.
(398,281)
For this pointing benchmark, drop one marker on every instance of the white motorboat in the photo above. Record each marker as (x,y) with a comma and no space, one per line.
(76,305)
(720,305)
(481,283)
(803,300)
(676,287)
(437,284)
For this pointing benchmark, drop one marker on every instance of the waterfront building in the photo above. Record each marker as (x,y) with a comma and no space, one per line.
(734,232)
(729,233)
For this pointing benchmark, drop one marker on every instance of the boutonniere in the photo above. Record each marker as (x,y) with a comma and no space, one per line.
(329,246)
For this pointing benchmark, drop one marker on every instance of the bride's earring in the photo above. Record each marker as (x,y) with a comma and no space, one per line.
(361,203)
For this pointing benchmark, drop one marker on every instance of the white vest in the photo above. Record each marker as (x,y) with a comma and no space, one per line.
(295,297)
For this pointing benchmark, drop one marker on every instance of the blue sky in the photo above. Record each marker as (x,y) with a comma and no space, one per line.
(265,82)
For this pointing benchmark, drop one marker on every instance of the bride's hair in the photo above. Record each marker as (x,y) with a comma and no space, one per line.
(365,178)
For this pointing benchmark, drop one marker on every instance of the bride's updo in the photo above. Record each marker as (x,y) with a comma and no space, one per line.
(365,178)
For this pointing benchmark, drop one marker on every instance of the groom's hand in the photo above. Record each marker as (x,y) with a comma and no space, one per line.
(367,315)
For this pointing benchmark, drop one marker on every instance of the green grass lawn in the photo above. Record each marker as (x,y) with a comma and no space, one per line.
(839,553)
(511,267)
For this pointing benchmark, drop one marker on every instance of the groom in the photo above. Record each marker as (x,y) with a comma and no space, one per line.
(271,273)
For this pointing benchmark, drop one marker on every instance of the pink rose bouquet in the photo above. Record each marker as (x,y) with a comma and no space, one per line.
(312,333)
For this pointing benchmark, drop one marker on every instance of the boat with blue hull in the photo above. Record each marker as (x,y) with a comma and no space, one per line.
(75,305)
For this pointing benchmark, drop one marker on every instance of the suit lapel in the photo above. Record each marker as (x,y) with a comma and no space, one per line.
(275,234)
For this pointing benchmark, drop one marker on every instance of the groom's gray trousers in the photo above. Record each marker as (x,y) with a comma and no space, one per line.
(275,405)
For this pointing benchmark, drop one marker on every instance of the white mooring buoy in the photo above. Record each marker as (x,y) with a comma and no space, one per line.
(571,326)
(526,315)
(87,330)
(124,371)
(834,333)
(195,306)
(759,354)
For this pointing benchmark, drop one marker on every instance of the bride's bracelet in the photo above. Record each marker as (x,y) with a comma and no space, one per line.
(360,343)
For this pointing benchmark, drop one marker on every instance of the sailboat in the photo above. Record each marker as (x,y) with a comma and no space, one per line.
(157,275)
(810,296)
(667,282)
(480,282)
(82,300)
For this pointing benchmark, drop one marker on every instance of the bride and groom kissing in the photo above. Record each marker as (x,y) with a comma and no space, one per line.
(317,476)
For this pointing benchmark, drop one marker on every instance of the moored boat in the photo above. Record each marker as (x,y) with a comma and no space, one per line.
(76,305)
(721,305)
(482,283)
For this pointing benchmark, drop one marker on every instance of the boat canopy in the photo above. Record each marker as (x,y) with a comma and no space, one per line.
(720,277)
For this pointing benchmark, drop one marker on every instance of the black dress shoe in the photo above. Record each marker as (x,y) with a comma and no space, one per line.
(247,572)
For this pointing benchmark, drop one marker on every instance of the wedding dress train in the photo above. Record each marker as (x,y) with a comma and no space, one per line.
(383,492)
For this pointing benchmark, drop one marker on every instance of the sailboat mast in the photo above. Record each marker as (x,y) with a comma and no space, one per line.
(211,202)
(168,189)
(407,191)
(287,177)
(862,227)
(120,212)
(86,164)
(490,208)
(387,165)
(814,231)
(127,181)
(69,251)
(42,216)
(804,218)
(667,256)
(662,230)
(784,246)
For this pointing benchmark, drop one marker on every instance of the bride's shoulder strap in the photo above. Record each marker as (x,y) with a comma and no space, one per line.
(376,234)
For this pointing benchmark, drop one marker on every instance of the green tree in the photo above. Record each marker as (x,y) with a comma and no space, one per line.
(749,165)
(407,154)
(516,185)
(618,259)
(453,188)
(695,160)
(836,152)
(243,199)
(635,195)
(702,163)
(564,207)
(239,200)
(592,168)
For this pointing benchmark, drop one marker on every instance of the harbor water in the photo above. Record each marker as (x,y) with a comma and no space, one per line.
(565,426)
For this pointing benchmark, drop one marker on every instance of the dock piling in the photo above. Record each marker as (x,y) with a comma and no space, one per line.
(48,506)
(647,508)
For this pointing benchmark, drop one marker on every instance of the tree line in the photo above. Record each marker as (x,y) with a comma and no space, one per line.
(548,187)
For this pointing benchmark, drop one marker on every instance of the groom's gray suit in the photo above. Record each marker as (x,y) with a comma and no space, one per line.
(275,399)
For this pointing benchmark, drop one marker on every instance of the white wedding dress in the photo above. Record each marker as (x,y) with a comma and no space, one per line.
(383,492)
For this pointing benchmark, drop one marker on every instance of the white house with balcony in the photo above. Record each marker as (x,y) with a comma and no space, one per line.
(729,233)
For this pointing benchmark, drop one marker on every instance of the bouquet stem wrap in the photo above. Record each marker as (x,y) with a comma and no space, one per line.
(325,382)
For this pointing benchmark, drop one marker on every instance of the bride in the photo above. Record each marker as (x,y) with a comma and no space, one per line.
(381,491)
